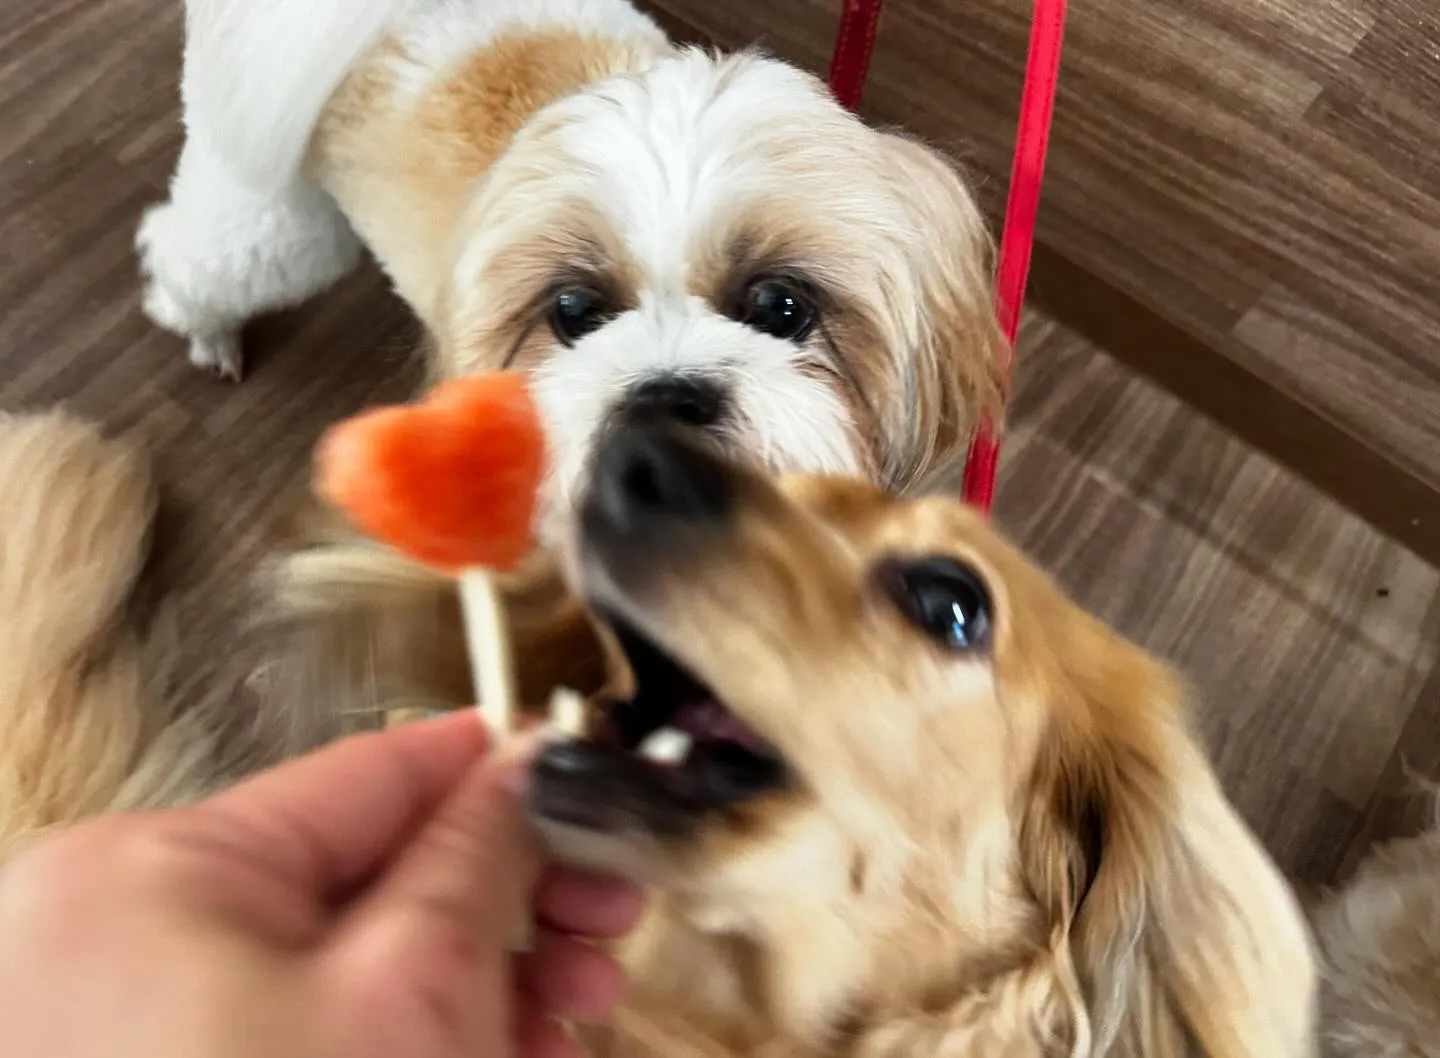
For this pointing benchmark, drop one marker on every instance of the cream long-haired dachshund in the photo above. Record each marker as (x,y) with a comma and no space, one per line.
(647,230)
(895,794)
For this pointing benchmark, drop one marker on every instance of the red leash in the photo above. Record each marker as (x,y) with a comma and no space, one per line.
(851,61)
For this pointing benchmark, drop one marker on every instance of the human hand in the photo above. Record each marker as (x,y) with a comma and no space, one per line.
(353,904)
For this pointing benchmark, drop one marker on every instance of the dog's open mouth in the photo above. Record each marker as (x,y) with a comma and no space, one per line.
(671,752)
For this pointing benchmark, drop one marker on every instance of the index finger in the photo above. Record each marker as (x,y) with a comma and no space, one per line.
(327,821)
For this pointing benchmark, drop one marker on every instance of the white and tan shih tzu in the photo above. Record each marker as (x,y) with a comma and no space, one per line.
(646,229)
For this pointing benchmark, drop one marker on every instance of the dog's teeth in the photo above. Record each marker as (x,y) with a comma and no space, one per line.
(666,746)
(567,713)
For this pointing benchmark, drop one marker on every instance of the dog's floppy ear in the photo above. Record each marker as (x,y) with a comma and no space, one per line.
(1183,939)
(959,360)
(360,627)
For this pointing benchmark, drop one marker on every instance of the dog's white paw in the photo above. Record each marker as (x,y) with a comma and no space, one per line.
(219,355)
(214,347)
(161,309)
(158,303)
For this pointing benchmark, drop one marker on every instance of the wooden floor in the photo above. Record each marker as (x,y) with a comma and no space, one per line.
(1259,176)
(1312,639)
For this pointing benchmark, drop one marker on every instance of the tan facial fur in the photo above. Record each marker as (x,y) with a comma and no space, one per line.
(403,161)
(1018,852)
(1021,852)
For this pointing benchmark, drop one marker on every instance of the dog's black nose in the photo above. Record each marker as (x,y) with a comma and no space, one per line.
(689,399)
(658,473)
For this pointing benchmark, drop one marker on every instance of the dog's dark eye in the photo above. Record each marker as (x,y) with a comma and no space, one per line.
(944,599)
(576,312)
(779,309)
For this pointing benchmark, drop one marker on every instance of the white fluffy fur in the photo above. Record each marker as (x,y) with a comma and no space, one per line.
(259,72)
(670,160)
(790,418)
(220,252)
(247,230)
(672,163)
(314,127)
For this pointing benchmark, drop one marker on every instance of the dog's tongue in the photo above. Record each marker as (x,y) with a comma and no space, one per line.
(706,720)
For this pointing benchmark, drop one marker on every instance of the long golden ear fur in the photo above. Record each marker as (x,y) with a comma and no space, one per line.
(961,356)
(1183,938)
(89,716)
(366,631)
(74,689)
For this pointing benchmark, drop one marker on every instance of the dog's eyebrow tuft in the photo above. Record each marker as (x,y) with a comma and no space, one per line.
(721,273)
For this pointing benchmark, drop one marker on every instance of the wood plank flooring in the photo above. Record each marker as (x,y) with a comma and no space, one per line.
(1311,638)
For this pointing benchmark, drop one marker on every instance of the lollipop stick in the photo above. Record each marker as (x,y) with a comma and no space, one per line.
(493,674)
(488,645)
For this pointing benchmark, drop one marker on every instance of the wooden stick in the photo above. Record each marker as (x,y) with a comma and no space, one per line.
(492,673)
(491,666)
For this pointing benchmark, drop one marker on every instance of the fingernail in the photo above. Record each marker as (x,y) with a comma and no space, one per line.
(511,762)
(513,780)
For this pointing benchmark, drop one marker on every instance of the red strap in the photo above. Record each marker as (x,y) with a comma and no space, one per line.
(853,47)
(1017,237)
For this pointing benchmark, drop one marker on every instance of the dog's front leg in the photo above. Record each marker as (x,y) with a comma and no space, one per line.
(220,252)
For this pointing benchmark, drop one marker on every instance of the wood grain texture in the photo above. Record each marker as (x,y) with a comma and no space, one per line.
(1259,174)
(1310,638)
(89,131)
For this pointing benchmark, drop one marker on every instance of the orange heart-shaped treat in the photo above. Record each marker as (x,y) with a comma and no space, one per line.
(451,481)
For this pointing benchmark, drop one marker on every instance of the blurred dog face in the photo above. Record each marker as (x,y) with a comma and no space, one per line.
(803,652)
(870,741)
(717,242)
